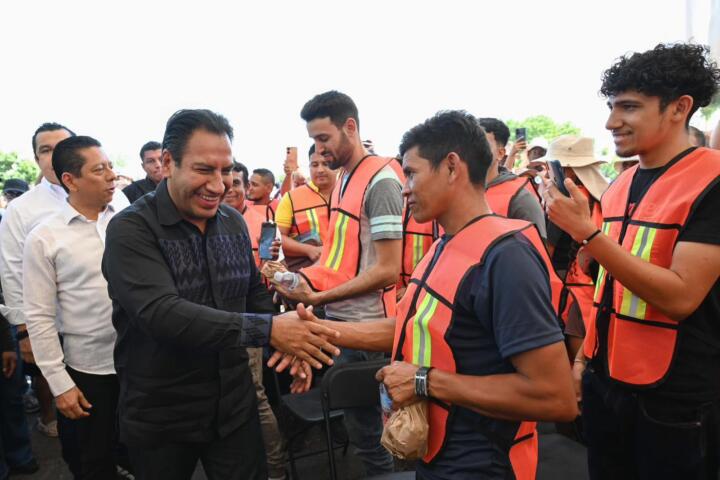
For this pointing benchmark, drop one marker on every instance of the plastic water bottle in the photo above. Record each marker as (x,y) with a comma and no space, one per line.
(385,403)
(289,280)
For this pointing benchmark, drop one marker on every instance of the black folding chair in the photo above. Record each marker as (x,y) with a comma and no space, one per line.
(342,386)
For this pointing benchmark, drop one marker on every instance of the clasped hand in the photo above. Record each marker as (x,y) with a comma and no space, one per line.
(301,342)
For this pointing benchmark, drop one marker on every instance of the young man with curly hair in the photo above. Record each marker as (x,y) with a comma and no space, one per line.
(650,364)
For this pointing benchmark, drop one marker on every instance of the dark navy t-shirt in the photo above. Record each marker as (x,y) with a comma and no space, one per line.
(503,308)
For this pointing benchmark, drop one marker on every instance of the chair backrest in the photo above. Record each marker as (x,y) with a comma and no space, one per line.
(352,384)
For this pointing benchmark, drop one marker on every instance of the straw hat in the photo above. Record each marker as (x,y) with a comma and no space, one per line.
(578,153)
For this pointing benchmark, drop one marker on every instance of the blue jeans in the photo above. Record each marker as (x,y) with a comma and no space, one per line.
(14,432)
(364,425)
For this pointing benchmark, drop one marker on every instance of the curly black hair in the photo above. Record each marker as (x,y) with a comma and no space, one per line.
(668,71)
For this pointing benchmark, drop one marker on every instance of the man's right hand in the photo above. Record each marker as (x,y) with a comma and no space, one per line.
(73,404)
(298,333)
(25,348)
(314,253)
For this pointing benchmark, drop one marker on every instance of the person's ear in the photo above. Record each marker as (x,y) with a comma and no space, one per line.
(168,163)
(68,180)
(350,127)
(681,108)
(452,163)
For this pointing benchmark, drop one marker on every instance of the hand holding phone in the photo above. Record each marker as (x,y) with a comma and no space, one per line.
(558,176)
(520,133)
(291,158)
(267,236)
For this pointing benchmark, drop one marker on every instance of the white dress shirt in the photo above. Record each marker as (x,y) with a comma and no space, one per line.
(22,215)
(62,274)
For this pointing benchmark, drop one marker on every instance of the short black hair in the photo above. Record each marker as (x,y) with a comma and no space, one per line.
(266,174)
(668,71)
(48,127)
(311,151)
(451,131)
(333,104)
(240,167)
(67,157)
(183,123)
(500,131)
(151,145)
(699,135)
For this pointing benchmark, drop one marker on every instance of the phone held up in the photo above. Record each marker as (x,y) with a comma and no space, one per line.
(558,176)
(267,236)
(520,133)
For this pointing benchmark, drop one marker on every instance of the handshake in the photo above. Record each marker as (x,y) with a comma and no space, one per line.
(301,342)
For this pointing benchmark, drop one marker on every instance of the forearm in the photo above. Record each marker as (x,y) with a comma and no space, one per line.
(286,184)
(509,396)
(191,326)
(11,265)
(660,287)
(510,161)
(293,248)
(377,277)
(370,335)
(48,352)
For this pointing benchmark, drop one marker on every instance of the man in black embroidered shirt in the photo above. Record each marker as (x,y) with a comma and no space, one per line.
(181,274)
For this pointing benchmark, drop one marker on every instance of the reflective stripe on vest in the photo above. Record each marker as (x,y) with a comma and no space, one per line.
(641,339)
(417,240)
(311,213)
(500,195)
(425,315)
(340,259)
(254,221)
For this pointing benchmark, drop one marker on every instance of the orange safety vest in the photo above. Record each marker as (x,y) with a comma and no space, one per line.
(501,194)
(254,221)
(340,259)
(311,212)
(425,314)
(641,340)
(417,240)
(267,211)
(417,237)
(578,282)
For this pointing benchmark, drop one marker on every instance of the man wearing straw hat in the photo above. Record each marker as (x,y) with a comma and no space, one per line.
(577,157)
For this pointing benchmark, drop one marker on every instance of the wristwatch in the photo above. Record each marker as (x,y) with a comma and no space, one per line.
(421,381)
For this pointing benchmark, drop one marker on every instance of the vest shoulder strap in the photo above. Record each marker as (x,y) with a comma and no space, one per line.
(356,185)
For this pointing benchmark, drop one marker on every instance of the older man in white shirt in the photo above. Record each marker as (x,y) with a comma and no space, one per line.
(21,216)
(63,283)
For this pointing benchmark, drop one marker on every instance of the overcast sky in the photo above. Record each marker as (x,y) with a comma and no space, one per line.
(117,70)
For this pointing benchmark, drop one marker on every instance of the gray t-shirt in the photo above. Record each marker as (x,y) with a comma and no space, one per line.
(380,219)
(524,206)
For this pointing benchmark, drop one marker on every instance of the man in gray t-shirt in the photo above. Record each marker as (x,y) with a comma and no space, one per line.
(380,219)
(332,122)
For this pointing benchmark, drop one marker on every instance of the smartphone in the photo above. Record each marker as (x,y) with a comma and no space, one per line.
(558,176)
(267,236)
(520,133)
(291,156)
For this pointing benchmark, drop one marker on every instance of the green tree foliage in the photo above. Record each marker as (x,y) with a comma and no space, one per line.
(707,112)
(12,166)
(542,126)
